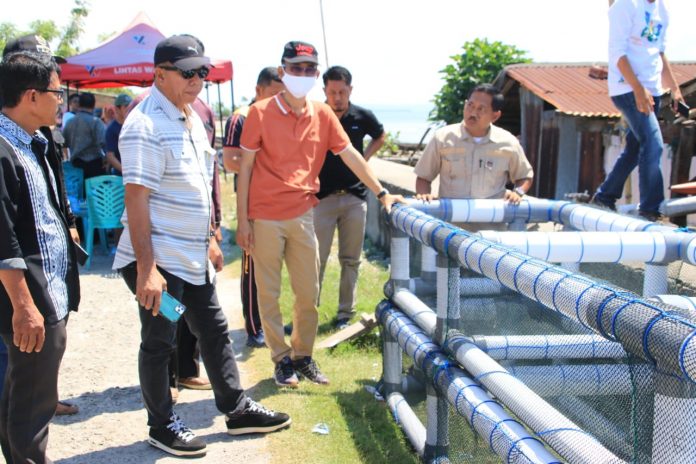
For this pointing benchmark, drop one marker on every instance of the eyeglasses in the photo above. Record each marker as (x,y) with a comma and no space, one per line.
(297,70)
(59,93)
(189,73)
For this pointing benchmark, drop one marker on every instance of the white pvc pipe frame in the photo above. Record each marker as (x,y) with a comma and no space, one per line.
(580,217)
(409,422)
(679,359)
(516,347)
(576,445)
(488,417)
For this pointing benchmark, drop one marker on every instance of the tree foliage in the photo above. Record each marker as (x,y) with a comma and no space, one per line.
(68,45)
(479,63)
(68,37)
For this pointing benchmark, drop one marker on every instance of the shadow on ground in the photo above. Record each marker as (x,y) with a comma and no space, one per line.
(373,430)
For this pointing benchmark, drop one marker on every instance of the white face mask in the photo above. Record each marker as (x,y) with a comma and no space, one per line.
(298,86)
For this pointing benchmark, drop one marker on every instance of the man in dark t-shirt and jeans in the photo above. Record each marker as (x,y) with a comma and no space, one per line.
(342,196)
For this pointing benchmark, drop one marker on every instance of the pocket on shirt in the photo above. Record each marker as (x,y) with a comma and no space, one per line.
(494,176)
(175,150)
(454,167)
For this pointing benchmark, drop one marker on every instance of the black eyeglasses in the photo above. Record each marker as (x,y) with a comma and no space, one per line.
(297,70)
(188,74)
(59,93)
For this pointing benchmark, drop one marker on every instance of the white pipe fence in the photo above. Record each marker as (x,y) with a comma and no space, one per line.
(660,331)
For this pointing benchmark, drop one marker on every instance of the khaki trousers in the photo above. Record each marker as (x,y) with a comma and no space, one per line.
(292,240)
(347,213)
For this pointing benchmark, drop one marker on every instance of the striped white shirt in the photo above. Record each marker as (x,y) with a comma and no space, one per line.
(176,164)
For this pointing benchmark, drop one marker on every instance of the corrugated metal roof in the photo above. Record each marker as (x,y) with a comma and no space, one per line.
(572,91)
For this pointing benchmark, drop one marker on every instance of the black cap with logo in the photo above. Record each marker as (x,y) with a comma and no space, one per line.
(183,51)
(30,43)
(299,52)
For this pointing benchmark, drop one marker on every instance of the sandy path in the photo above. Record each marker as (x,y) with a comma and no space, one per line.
(99,374)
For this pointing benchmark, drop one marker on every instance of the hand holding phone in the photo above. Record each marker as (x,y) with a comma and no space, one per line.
(171,308)
(683,109)
(82,255)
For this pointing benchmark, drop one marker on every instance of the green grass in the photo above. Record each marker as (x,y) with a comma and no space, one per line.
(360,428)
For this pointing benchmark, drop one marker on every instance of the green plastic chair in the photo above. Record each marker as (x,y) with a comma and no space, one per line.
(105,204)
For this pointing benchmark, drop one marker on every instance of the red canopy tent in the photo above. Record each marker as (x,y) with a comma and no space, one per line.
(126,60)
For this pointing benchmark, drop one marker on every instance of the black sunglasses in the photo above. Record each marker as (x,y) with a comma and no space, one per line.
(188,74)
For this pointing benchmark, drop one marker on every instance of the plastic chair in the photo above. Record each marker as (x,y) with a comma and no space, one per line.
(75,188)
(105,204)
(74,181)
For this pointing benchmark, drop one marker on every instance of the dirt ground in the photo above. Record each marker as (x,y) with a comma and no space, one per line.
(99,373)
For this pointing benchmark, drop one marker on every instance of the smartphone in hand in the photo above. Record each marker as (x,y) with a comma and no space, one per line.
(170,308)
(683,109)
(82,255)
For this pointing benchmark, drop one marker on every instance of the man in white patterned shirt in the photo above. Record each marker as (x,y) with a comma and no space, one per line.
(167,245)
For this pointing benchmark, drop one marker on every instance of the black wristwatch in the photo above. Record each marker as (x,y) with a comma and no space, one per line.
(382,193)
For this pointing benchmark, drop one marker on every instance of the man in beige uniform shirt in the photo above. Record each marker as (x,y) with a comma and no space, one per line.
(475,159)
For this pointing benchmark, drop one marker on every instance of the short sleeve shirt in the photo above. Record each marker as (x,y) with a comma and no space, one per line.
(233,128)
(358,122)
(290,151)
(112,132)
(159,152)
(471,169)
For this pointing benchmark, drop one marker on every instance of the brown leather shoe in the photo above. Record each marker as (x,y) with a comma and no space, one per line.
(66,409)
(195,383)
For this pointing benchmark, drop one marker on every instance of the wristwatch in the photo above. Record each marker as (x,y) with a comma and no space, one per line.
(519,191)
(382,193)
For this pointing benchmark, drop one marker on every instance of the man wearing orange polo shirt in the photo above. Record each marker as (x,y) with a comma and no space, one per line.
(284,144)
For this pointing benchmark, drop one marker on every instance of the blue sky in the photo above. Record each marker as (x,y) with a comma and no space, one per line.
(393,48)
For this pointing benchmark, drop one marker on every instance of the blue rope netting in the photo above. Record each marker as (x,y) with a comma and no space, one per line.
(624,299)
(388,315)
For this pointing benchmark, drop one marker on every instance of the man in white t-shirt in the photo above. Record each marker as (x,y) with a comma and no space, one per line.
(638,69)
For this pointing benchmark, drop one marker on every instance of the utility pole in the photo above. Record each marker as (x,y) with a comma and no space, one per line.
(323,31)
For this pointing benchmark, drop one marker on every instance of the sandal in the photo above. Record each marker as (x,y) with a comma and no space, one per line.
(66,409)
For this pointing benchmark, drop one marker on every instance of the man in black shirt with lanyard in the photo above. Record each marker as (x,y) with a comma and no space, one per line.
(38,269)
(342,196)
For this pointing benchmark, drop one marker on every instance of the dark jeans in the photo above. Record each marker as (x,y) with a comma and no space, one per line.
(92,168)
(643,149)
(29,397)
(158,341)
(184,361)
(3,364)
(250,304)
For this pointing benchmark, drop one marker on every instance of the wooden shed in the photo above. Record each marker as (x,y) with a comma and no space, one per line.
(566,121)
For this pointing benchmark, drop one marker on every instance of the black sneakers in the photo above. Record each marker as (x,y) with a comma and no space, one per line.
(255,418)
(177,439)
(651,216)
(342,323)
(284,374)
(307,367)
(256,341)
(596,201)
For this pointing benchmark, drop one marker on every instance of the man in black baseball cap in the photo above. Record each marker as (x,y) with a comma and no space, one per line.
(31,43)
(183,51)
(167,160)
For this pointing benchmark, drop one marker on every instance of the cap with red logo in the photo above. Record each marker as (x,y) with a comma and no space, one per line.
(299,52)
